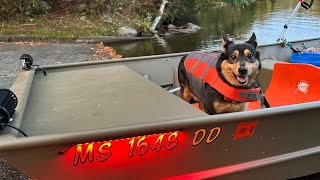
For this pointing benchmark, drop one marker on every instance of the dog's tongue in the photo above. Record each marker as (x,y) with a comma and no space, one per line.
(242,79)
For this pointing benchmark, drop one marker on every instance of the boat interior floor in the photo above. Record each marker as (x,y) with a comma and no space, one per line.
(80,99)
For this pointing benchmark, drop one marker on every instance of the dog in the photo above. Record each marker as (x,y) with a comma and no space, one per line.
(221,84)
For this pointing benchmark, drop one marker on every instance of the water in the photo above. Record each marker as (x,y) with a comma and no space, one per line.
(266,18)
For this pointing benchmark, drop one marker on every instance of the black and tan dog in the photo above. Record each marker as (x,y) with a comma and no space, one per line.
(223,83)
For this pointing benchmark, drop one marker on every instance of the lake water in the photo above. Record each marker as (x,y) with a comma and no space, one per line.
(266,18)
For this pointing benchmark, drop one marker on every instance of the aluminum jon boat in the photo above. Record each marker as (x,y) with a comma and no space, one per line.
(116,119)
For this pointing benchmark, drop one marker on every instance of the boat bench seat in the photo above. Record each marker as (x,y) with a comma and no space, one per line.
(292,83)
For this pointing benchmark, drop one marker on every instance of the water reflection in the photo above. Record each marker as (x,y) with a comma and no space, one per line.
(266,18)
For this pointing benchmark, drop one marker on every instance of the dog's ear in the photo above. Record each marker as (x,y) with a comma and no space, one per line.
(225,43)
(253,40)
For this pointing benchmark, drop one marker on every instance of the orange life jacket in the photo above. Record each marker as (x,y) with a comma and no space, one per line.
(201,69)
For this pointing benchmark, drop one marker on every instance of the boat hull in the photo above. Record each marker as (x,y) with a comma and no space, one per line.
(111,119)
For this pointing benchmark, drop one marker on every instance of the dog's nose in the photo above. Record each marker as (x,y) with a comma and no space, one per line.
(243,70)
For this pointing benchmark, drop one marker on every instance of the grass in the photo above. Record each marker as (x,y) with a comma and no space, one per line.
(67,26)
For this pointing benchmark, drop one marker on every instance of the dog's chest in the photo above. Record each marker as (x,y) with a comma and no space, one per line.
(228,106)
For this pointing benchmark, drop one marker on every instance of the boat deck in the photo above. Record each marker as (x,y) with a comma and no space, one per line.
(80,99)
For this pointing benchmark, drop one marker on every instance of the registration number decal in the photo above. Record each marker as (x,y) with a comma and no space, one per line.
(135,146)
(136,149)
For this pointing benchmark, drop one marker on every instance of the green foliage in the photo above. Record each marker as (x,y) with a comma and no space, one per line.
(29,8)
(98,7)
(180,9)
(145,24)
(241,2)
(34,8)
(147,8)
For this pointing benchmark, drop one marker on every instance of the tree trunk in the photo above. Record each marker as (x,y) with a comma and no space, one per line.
(157,19)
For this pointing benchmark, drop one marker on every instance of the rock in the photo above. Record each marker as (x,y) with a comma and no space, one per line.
(171,26)
(152,31)
(189,28)
(106,19)
(193,27)
(82,7)
(166,34)
(83,18)
(127,31)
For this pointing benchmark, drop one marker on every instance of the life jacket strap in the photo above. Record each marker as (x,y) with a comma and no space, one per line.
(251,95)
(260,96)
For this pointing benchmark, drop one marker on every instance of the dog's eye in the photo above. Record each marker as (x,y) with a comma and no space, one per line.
(233,57)
(250,58)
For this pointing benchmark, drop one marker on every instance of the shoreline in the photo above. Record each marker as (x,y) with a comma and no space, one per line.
(80,40)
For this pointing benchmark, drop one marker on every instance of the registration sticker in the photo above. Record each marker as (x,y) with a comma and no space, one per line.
(245,130)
